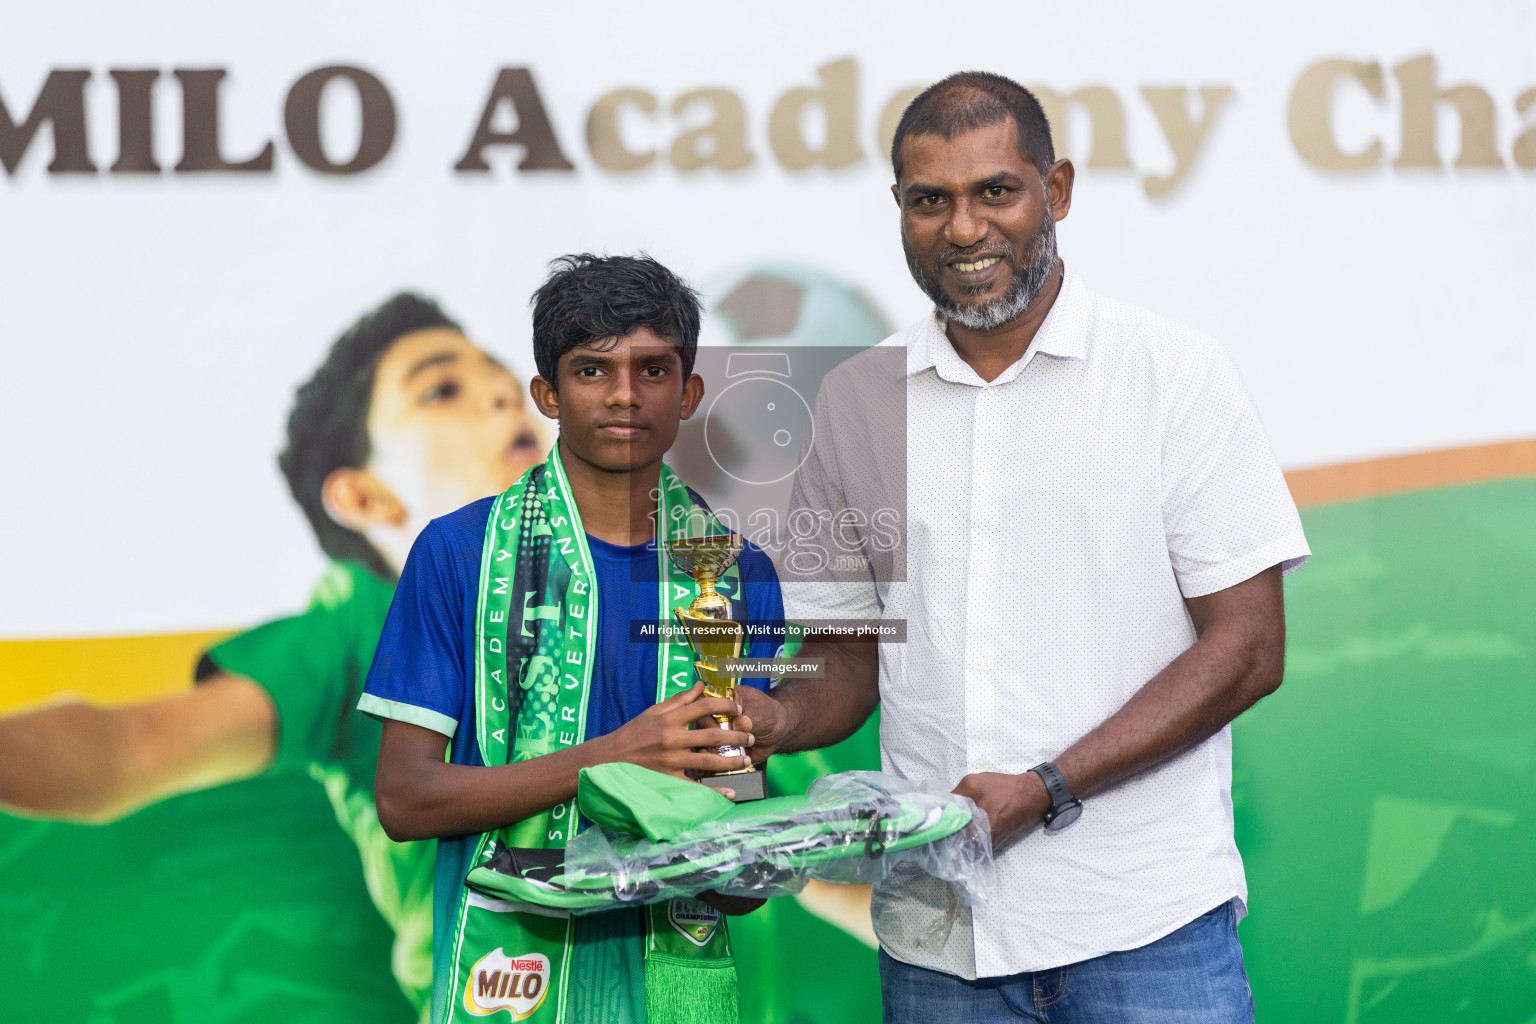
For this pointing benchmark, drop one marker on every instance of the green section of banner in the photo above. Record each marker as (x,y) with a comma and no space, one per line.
(1384,799)
(1384,796)
(240,905)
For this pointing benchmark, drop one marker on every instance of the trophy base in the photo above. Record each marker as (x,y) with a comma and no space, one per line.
(748,785)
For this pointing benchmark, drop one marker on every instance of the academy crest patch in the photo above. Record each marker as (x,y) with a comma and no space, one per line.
(695,919)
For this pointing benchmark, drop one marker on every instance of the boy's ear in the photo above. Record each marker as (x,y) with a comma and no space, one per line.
(545,398)
(693,394)
(358,500)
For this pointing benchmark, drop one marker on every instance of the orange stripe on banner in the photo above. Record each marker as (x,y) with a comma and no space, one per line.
(1421,471)
(103,670)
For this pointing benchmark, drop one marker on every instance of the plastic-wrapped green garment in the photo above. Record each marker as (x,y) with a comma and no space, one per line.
(659,837)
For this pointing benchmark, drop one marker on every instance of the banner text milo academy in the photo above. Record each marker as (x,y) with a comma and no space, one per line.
(632,129)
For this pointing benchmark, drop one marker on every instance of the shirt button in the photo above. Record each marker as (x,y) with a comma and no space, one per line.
(977,661)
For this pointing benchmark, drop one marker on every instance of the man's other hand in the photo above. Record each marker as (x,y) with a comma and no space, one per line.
(1014,804)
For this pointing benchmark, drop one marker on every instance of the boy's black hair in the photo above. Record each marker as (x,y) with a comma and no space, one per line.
(974,99)
(589,299)
(328,428)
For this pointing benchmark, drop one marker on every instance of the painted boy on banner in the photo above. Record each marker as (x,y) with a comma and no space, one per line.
(405,419)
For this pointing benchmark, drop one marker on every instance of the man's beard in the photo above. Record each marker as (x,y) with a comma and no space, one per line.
(1027,280)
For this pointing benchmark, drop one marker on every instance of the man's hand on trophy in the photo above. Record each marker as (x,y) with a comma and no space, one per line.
(765,718)
(1014,804)
(662,738)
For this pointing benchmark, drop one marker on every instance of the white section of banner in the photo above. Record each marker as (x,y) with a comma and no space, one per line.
(154,326)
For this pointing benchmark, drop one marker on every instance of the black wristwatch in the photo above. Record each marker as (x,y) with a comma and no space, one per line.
(1065,808)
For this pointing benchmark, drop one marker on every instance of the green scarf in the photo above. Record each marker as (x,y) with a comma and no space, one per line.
(536,565)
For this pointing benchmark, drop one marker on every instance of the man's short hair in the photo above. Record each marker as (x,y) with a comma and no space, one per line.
(591,299)
(976,99)
(328,427)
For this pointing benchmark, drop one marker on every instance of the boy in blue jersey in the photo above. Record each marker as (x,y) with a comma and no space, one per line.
(614,340)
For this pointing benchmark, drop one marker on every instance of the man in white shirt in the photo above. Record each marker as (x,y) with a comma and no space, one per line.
(1089,578)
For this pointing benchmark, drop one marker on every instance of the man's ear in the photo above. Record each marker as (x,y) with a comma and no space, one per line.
(896,193)
(358,500)
(545,398)
(693,394)
(1058,188)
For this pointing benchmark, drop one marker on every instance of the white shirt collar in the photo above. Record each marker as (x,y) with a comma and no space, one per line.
(1064,334)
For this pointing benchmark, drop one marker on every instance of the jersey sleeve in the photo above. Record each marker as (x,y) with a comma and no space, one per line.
(419,670)
(831,482)
(312,665)
(1227,512)
(765,608)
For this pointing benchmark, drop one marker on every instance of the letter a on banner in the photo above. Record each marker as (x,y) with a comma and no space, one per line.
(534,132)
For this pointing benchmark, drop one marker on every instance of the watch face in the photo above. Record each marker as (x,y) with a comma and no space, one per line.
(1065,817)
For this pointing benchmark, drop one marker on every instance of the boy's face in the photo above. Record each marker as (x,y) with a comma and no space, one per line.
(619,406)
(447,425)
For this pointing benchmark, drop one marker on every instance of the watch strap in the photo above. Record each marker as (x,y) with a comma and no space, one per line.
(1061,797)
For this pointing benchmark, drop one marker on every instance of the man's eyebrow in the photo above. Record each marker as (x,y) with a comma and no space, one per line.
(436,359)
(1000,178)
(917,188)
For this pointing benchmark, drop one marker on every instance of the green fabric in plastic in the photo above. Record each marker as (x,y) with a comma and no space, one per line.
(635,801)
(849,827)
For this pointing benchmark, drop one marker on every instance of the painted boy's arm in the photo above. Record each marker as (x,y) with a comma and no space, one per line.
(420,796)
(85,763)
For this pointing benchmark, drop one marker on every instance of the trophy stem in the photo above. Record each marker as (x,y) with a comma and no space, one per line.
(715,637)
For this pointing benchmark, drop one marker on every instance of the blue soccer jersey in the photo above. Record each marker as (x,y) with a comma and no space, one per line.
(424,668)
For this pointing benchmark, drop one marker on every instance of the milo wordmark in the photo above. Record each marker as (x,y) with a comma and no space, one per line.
(516,984)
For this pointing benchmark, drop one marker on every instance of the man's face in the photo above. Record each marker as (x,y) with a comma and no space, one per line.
(447,425)
(977,224)
(619,402)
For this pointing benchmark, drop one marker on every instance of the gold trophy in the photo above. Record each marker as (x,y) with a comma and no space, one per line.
(714,637)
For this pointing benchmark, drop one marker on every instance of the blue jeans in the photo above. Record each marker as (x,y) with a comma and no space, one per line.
(1193,976)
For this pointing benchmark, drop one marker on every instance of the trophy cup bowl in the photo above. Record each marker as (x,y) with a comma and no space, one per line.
(714,637)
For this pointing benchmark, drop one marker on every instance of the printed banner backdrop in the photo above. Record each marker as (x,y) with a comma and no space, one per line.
(196,203)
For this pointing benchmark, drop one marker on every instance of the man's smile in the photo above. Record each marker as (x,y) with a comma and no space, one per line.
(981,264)
(975,271)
